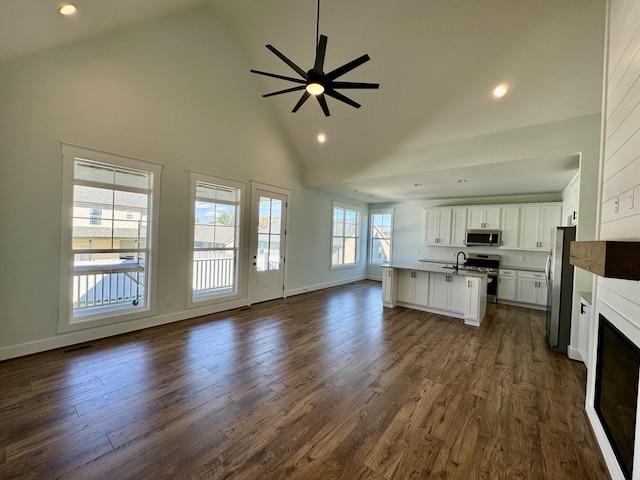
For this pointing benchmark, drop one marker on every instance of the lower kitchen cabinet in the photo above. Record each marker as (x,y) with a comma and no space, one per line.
(447,292)
(532,288)
(389,286)
(507,285)
(413,287)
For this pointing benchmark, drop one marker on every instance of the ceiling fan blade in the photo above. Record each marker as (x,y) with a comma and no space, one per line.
(323,104)
(287,90)
(300,72)
(320,52)
(354,85)
(282,77)
(303,99)
(342,98)
(347,67)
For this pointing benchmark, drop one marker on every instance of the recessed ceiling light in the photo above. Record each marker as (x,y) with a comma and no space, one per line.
(462,180)
(322,138)
(500,90)
(67,9)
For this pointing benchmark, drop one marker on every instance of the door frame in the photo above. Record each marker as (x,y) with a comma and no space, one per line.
(253,239)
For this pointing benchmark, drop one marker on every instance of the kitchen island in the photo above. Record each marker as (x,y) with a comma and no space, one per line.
(437,288)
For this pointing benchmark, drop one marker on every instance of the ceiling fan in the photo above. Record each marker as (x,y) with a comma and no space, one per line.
(315,81)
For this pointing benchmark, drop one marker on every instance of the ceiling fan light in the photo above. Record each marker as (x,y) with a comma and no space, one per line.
(315,88)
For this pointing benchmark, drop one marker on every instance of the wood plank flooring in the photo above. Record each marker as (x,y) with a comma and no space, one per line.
(322,385)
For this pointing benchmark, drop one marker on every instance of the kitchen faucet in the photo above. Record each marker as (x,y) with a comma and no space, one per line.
(458,257)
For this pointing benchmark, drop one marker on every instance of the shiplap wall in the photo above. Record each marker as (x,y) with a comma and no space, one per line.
(620,214)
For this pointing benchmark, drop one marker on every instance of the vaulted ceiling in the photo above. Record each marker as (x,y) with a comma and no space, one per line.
(436,61)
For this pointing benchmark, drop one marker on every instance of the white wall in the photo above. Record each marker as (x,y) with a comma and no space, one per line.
(620,175)
(176,91)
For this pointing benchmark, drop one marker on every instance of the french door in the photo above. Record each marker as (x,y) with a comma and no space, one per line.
(268,242)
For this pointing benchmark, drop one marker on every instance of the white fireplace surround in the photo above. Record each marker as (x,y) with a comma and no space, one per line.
(613,301)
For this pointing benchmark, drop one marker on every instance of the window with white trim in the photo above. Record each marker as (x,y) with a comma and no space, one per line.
(215,238)
(345,226)
(109,238)
(381,228)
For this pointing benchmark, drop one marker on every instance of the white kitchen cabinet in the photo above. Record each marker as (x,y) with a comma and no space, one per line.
(509,224)
(447,292)
(413,287)
(438,226)
(459,226)
(531,288)
(475,300)
(486,216)
(536,222)
(507,285)
(389,286)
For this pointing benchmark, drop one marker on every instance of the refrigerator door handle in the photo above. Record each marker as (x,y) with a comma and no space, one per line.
(547,272)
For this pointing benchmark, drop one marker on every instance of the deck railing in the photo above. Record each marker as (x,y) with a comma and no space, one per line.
(105,286)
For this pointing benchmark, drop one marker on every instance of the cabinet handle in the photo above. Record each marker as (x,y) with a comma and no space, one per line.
(469,283)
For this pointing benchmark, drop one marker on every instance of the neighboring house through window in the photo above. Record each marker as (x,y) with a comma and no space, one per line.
(215,237)
(346,235)
(109,240)
(381,222)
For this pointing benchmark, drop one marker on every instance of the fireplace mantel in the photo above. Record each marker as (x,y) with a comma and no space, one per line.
(607,258)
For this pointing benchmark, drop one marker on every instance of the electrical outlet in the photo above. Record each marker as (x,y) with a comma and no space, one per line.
(630,199)
(616,205)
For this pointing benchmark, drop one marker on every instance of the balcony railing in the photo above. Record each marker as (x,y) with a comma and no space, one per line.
(107,285)
(104,286)
(213,274)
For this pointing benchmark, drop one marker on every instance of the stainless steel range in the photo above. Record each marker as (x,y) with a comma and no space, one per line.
(489,264)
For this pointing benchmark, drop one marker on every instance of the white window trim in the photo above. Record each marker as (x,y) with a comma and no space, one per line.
(378,211)
(358,210)
(222,298)
(66,322)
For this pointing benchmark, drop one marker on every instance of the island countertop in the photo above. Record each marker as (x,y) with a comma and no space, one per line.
(437,267)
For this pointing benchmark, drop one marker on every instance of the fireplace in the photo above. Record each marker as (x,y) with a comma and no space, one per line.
(616,391)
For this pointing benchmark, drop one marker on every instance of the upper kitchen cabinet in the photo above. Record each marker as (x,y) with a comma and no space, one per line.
(536,222)
(509,223)
(438,226)
(486,216)
(458,226)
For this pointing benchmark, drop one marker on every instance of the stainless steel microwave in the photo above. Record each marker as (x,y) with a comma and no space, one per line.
(489,238)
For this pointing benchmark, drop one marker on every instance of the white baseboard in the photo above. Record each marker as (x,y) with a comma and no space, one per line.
(321,286)
(574,354)
(72,338)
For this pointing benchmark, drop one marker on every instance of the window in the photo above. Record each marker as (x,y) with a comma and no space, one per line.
(215,234)
(380,236)
(346,235)
(108,255)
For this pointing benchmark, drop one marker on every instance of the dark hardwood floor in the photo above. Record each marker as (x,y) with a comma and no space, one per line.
(322,385)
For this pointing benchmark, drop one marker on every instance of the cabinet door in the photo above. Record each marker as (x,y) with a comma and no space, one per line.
(492,218)
(405,286)
(550,216)
(421,289)
(458,226)
(476,217)
(438,226)
(388,284)
(457,293)
(509,226)
(529,220)
(472,306)
(507,288)
(526,291)
(438,291)
(541,292)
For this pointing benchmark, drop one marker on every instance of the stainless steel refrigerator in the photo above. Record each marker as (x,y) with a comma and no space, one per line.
(560,288)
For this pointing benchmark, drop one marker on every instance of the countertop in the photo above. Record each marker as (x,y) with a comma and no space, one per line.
(438,267)
(524,269)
